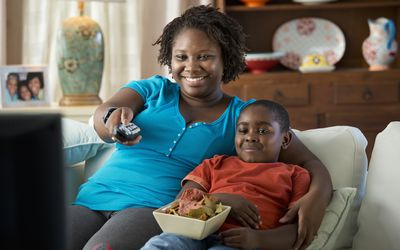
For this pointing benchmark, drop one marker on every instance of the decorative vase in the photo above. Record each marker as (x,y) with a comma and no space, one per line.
(380,47)
(80,59)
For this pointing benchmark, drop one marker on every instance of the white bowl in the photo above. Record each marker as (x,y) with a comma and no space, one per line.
(189,227)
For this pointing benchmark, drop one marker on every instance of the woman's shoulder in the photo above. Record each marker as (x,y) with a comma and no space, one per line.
(153,86)
(238,103)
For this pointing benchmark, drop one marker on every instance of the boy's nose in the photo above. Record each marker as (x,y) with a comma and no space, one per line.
(251,137)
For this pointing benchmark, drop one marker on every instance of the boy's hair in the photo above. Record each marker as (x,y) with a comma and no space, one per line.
(280,114)
(13,74)
(223,29)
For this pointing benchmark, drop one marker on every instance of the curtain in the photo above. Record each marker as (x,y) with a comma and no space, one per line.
(3,22)
(129,29)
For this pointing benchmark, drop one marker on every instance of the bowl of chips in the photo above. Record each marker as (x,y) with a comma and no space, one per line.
(192,215)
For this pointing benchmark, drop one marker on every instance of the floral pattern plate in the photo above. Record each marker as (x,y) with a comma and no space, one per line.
(303,36)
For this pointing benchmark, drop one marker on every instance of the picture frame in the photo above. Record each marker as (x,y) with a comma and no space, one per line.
(24,86)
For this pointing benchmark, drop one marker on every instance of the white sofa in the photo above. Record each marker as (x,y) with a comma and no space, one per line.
(341,148)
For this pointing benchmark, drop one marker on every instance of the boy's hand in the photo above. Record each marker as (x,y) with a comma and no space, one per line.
(240,237)
(242,210)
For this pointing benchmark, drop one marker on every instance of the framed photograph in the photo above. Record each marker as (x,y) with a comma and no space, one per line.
(24,86)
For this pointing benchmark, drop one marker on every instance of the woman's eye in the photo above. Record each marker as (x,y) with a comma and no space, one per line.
(262,131)
(180,57)
(204,57)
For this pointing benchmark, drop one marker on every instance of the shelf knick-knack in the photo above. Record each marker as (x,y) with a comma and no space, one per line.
(380,47)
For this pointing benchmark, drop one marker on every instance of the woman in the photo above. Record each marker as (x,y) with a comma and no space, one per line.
(181,124)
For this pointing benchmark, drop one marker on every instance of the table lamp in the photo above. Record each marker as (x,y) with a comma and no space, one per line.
(80,59)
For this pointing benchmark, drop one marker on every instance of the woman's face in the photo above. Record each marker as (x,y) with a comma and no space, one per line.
(34,85)
(12,83)
(25,94)
(197,64)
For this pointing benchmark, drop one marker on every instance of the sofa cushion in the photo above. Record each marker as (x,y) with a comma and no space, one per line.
(334,219)
(342,150)
(379,218)
(80,141)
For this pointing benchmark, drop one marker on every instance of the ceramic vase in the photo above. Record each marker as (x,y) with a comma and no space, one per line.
(380,47)
(80,59)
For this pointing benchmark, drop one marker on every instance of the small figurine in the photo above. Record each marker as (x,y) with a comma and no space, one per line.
(380,48)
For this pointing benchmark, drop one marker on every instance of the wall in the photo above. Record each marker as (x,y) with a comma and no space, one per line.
(14,31)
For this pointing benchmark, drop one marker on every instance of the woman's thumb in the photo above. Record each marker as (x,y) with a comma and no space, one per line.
(289,216)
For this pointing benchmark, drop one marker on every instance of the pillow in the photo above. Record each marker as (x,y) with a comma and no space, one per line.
(334,219)
(342,150)
(80,141)
(379,217)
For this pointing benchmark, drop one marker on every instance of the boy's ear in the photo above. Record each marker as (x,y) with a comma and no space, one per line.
(287,138)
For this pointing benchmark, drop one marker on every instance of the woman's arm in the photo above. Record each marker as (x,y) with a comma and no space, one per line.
(128,102)
(311,207)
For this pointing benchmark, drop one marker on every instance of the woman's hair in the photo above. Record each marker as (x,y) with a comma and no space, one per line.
(223,29)
(280,114)
(32,75)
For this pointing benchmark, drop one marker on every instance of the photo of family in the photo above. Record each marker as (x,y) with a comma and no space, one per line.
(24,86)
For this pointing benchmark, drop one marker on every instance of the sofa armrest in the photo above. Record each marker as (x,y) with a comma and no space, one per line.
(379,218)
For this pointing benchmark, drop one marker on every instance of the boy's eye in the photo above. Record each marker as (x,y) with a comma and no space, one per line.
(263,131)
(242,130)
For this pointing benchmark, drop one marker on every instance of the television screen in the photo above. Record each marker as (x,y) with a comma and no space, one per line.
(32,210)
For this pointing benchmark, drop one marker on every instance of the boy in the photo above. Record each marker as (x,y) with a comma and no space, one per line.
(257,187)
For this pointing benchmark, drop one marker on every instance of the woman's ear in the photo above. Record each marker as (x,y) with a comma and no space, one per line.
(286,139)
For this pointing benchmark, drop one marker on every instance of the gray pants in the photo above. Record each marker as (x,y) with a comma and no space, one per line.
(126,229)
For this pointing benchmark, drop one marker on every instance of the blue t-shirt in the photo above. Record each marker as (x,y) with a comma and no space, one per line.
(149,173)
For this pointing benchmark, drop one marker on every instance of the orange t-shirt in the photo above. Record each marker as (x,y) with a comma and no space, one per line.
(272,187)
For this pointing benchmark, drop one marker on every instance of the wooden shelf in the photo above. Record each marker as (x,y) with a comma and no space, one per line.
(322,6)
(79,113)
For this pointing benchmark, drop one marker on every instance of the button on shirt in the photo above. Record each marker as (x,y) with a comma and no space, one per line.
(149,173)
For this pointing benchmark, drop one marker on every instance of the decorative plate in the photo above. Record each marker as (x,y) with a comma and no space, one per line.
(308,35)
(313,1)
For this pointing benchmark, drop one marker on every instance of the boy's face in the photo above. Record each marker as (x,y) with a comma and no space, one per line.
(258,135)
(196,64)
(25,94)
(12,83)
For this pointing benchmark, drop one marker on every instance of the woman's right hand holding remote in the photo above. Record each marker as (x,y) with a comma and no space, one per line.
(122,115)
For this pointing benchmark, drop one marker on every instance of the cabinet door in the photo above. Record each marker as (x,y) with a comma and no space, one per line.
(287,94)
(364,92)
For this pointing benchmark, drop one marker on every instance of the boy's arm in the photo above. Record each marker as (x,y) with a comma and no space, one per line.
(282,237)
(190,184)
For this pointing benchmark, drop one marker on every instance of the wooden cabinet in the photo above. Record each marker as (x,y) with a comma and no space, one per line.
(350,95)
(366,100)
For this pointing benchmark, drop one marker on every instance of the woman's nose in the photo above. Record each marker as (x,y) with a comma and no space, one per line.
(191,64)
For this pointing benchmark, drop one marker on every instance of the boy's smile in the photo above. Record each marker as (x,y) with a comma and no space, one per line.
(258,135)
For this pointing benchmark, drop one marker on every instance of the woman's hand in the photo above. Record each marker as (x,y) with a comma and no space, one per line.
(121,115)
(310,211)
(240,237)
(242,210)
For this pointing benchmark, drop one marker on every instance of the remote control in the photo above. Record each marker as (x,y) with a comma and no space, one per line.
(126,132)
